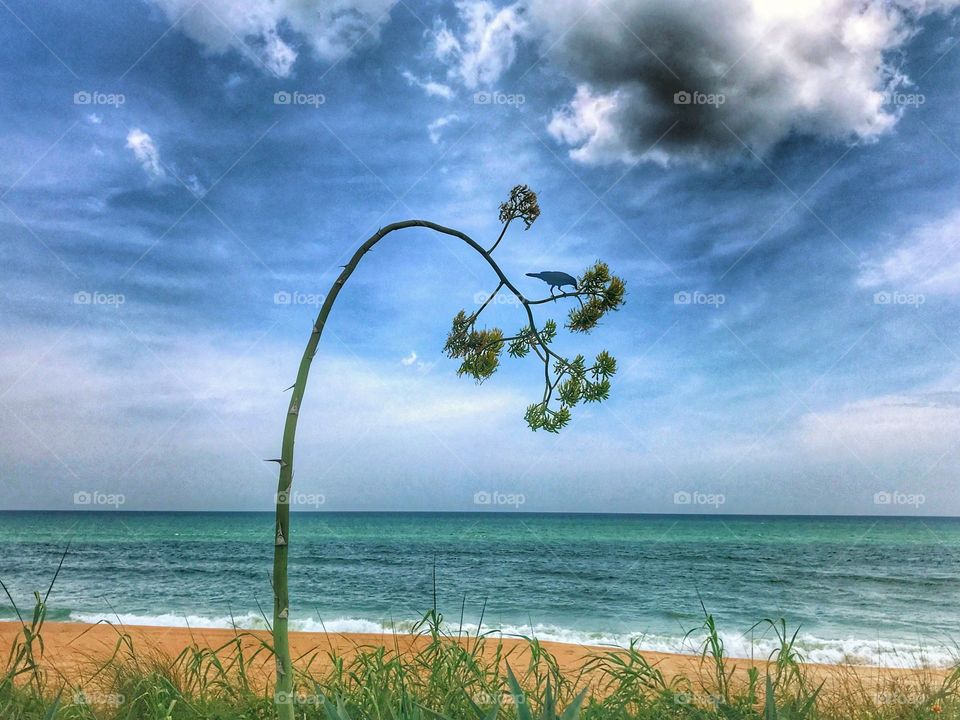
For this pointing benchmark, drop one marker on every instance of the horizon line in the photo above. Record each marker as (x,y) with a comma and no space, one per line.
(492,512)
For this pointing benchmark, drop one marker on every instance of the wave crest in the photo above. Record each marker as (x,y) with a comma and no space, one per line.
(829,651)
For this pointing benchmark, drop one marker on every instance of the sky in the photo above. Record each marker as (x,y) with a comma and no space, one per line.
(775,182)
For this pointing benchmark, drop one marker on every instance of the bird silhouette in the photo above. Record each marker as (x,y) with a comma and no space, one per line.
(555,279)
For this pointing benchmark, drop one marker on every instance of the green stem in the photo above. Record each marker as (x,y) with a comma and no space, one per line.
(502,233)
(281,598)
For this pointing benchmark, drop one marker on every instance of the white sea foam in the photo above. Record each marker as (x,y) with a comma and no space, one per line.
(857,651)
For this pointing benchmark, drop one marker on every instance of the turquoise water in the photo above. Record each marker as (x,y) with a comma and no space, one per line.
(869,590)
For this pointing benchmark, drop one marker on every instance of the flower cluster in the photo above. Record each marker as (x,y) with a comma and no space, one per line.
(573,382)
(604,293)
(522,204)
(479,350)
(566,382)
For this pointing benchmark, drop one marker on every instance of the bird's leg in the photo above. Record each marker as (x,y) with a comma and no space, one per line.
(551,293)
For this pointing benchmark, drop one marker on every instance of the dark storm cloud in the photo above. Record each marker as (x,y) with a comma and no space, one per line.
(694,81)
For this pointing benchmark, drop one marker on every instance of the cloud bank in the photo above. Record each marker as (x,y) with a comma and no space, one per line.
(654,80)
(723,75)
(683,80)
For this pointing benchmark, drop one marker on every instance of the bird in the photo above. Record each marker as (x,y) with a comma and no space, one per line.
(555,279)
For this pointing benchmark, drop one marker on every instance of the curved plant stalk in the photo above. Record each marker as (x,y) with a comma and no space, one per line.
(565,381)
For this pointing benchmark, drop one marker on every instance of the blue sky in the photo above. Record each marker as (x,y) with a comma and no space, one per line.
(805,198)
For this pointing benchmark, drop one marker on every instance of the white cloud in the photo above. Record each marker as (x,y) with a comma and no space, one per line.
(195,186)
(413,361)
(332,30)
(927,260)
(819,68)
(276,54)
(445,43)
(437,125)
(430,87)
(145,151)
(588,124)
(488,45)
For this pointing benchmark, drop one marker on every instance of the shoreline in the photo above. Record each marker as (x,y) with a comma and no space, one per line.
(72,651)
(816,649)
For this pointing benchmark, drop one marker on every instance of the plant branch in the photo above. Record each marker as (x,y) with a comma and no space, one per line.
(281,612)
(502,233)
(578,295)
(486,302)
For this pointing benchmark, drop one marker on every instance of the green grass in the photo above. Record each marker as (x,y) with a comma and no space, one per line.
(454,677)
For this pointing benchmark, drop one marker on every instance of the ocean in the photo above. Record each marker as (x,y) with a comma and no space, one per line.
(881,591)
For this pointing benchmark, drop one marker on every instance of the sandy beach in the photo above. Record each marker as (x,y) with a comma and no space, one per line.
(73,651)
